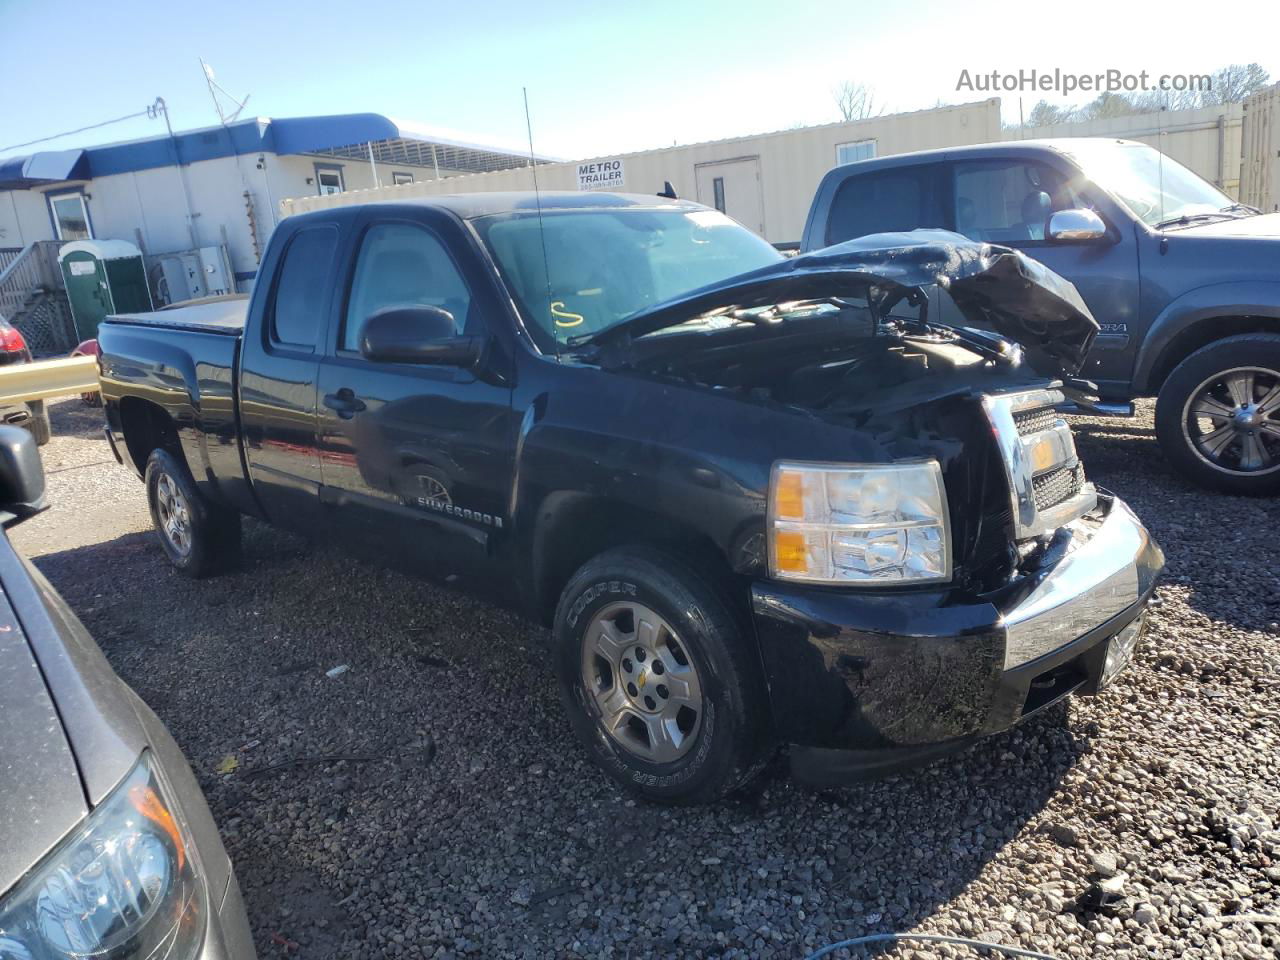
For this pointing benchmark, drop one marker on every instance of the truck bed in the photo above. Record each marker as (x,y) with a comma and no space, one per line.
(224,315)
(179,366)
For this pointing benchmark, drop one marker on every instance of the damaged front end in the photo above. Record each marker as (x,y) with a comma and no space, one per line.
(882,279)
(907,339)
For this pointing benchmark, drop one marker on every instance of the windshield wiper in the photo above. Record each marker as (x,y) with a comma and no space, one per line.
(1241,208)
(1192,217)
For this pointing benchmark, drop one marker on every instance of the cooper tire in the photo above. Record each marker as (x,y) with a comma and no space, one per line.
(1214,380)
(724,747)
(199,538)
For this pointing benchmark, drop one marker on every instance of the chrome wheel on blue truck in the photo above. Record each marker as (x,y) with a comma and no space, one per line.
(1218,416)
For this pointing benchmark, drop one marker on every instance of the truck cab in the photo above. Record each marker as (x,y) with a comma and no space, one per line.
(1180,278)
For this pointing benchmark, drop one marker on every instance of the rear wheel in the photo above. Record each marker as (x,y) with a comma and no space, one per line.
(1218,415)
(198,537)
(659,680)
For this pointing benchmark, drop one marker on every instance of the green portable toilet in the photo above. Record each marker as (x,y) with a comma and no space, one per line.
(102,277)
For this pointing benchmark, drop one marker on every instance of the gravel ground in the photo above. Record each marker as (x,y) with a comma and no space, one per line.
(466,822)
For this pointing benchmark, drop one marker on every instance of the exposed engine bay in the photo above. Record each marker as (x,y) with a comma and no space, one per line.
(833,356)
(857,291)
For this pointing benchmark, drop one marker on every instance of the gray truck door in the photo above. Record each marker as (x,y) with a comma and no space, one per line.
(1009,201)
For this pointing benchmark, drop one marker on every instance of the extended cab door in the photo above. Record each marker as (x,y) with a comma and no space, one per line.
(280,357)
(1009,201)
(416,458)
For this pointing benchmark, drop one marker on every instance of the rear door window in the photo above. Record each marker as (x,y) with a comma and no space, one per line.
(297,309)
(886,201)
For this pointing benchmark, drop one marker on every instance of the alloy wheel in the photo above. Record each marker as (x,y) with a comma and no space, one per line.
(1232,421)
(174,513)
(643,681)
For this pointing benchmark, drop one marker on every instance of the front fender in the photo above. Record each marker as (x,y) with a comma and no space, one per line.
(1253,298)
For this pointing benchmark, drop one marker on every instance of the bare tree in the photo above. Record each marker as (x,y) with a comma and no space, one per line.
(1045,114)
(1153,101)
(1232,83)
(1106,105)
(856,101)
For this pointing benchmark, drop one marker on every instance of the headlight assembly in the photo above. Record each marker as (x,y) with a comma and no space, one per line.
(123,886)
(837,523)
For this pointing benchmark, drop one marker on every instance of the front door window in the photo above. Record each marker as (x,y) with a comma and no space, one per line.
(1009,201)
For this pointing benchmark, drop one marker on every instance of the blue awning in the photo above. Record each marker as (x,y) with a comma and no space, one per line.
(315,134)
(351,136)
(48,166)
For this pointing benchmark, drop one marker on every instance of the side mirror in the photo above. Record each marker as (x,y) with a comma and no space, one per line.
(21,476)
(1076,225)
(419,334)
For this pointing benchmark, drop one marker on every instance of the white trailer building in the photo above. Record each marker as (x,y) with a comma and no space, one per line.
(765,182)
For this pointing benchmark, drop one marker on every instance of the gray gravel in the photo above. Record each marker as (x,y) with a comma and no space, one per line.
(470,824)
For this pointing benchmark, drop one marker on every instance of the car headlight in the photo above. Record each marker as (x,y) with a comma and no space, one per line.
(124,886)
(837,523)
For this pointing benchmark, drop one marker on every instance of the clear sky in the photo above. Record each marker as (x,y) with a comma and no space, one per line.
(603,77)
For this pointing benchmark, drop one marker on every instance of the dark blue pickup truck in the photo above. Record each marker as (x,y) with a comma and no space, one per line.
(1184,282)
(760,500)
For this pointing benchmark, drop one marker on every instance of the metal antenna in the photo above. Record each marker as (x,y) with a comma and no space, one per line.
(537,200)
(214,89)
(1160,161)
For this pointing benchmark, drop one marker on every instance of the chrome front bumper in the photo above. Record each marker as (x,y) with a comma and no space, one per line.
(1111,564)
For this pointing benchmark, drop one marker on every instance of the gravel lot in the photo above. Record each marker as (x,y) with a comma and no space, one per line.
(467,823)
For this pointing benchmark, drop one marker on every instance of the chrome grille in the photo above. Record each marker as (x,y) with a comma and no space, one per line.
(1035,421)
(1047,488)
(1054,487)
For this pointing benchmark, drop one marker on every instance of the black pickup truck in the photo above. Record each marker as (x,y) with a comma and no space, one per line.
(760,500)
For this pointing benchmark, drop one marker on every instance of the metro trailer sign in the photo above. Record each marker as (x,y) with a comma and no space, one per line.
(601,175)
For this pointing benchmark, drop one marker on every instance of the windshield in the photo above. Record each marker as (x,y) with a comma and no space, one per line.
(605,265)
(1156,191)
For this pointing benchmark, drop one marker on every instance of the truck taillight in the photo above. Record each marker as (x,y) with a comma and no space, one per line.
(11,339)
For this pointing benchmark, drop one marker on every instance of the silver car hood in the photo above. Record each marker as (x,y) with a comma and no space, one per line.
(41,796)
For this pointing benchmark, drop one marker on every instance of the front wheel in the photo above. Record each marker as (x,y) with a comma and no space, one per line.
(1218,415)
(658,678)
(199,538)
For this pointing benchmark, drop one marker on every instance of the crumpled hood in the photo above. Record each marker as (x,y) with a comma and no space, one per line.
(994,287)
(1261,225)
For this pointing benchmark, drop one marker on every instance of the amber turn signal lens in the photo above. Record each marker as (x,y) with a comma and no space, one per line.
(788,496)
(147,803)
(789,551)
